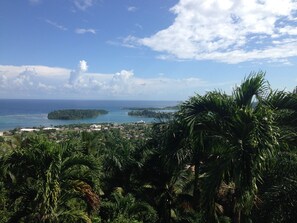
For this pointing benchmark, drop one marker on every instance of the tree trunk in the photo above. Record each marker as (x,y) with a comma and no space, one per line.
(236,211)
(196,192)
(237,216)
(199,147)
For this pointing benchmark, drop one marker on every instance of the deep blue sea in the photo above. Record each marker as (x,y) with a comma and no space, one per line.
(15,113)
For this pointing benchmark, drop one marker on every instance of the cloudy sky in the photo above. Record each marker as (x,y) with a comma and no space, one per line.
(143,49)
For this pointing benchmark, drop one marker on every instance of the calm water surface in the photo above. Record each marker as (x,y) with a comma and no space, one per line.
(15,113)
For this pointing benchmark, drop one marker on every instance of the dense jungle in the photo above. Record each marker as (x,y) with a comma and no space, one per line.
(220,158)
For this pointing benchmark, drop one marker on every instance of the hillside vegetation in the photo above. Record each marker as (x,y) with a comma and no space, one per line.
(151,114)
(219,159)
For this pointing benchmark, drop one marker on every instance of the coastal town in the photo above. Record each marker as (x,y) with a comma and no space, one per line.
(126,130)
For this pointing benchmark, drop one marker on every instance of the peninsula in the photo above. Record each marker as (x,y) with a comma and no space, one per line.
(151,114)
(176,107)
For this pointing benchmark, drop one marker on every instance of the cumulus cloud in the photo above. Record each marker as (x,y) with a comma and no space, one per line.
(83,4)
(75,74)
(83,31)
(230,31)
(122,82)
(126,85)
(25,83)
(123,75)
(30,80)
(3,81)
(25,79)
(45,71)
(53,82)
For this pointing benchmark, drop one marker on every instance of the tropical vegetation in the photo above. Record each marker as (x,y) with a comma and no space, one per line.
(220,158)
(151,114)
(73,114)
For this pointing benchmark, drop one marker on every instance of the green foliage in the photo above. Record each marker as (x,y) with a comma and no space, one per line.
(278,194)
(126,208)
(72,114)
(245,134)
(220,158)
(43,178)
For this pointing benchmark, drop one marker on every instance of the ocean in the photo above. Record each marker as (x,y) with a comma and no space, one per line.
(21,113)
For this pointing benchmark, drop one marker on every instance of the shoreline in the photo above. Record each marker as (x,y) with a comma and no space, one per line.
(75,126)
(33,113)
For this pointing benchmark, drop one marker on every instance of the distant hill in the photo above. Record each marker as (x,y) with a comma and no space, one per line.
(75,114)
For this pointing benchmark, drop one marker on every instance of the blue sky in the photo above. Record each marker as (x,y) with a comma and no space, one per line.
(140,49)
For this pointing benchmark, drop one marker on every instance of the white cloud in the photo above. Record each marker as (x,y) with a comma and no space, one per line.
(56,25)
(83,31)
(131,8)
(30,80)
(230,31)
(123,75)
(129,41)
(83,4)
(45,71)
(126,85)
(75,74)
(3,81)
(46,87)
(54,82)
(290,30)
(25,79)
(83,65)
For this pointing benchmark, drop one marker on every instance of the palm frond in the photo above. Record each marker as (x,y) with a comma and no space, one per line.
(254,86)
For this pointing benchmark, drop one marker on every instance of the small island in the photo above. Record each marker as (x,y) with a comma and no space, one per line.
(176,107)
(75,114)
(151,114)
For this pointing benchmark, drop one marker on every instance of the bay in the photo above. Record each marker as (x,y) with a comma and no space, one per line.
(21,113)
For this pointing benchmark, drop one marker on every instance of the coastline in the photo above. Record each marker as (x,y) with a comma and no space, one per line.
(25,113)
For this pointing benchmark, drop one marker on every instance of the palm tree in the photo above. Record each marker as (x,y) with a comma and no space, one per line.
(50,183)
(278,194)
(116,155)
(284,106)
(244,134)
(164,170)
(126,207)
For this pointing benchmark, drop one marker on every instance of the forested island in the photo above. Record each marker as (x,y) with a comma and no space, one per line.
(151,114)
(220,159)
(153,108)
(75,114)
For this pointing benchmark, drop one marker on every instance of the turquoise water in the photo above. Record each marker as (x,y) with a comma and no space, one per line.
(20,113)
